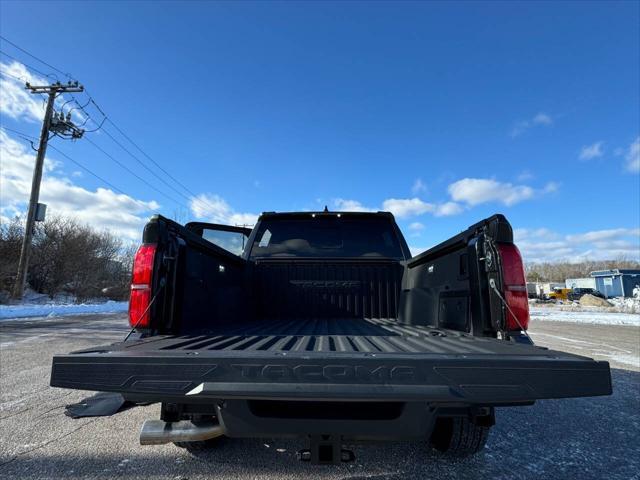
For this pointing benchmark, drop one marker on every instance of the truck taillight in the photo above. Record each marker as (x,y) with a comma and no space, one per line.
(515,286)
(139,314)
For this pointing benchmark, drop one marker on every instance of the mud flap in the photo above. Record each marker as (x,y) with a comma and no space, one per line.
(102,404)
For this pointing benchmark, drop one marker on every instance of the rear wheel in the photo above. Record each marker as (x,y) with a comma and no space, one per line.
(458,436)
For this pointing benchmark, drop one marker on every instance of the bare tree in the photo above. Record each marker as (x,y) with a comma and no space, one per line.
(11,234)
(68,258)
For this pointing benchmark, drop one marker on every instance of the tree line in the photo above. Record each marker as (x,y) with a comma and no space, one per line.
(560,271)
(67,257)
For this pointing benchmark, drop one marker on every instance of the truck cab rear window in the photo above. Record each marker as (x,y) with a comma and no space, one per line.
(327,237)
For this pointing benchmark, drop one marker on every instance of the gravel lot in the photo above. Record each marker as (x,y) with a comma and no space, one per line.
(590,438)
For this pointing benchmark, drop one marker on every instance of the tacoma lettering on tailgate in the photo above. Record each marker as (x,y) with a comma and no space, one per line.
(321,373)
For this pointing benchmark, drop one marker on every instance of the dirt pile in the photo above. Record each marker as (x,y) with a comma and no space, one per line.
(589,300)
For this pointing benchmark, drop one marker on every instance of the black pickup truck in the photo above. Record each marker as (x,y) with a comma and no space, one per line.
(322,326)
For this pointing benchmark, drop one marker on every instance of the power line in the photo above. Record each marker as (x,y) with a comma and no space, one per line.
(24,136)
(147,156)
(106,118)
(48,75)
(23,79)
(133,173)
(99,126)
(51,75)
(194,197)
(144,165)
(69,76)
(87,114)
(27,137)
(66,74)
(109,184)
(20,80)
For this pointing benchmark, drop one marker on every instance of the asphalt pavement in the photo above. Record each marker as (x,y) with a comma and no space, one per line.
(588,438)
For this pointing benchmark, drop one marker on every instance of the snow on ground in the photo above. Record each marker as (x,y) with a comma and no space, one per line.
(626,305)
(617,305)
(583,315)
(54,310)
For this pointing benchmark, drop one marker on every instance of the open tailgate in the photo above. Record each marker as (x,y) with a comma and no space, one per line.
(432,365)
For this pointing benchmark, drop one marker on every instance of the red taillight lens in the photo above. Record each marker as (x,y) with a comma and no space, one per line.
(515,286)
(138,307)
(139,314)
(143,265)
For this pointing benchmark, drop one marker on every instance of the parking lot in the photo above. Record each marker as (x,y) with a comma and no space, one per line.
(590,438)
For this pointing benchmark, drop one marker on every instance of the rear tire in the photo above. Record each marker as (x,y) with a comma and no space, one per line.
(458,436)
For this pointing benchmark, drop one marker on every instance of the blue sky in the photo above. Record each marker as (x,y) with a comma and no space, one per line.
(442,113)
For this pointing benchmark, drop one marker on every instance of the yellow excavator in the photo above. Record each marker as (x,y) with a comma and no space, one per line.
(559,294)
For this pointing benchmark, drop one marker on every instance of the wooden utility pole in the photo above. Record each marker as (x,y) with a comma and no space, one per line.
(53,91)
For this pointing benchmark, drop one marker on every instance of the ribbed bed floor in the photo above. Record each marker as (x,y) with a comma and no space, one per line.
(347,335)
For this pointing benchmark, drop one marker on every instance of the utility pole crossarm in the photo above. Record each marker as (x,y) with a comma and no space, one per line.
(70,87)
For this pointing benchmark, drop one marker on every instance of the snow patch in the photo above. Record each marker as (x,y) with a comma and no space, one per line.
(55,310)
(590,316)
(618,305)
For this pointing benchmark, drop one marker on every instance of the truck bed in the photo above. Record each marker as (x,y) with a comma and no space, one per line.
(348,335)
(332,359)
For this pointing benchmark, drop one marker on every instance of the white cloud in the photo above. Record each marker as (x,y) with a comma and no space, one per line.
(344,205)
(15,101)
(589,152)
(538,234)
(543,245)
(416,227)
(474,191)
(215,209)
(103,208)
(540,119)
(418,187)
(401,207)
(603,235)
(525,175)
(447,209)
(632,157)
(19,103)
(551,187)
(407,207)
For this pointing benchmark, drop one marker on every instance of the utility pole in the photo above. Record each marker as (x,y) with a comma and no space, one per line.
(62,126)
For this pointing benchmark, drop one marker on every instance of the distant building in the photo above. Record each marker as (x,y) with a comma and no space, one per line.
(540,289)
(585,282)
(616,282)
(532,289)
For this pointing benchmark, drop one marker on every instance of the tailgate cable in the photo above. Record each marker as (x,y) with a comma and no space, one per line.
(162,283)
(492,284)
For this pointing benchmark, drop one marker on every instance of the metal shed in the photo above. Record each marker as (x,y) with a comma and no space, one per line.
(616,282)
(586,282)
